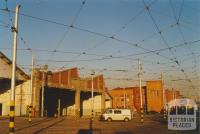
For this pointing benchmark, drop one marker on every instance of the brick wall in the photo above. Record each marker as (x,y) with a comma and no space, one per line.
(154,95)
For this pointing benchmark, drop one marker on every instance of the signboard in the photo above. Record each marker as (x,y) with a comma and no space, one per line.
(182,114)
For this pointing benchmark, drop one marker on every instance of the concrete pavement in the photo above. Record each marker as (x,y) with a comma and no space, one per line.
(69,125)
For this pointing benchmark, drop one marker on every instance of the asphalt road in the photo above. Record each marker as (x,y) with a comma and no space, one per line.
(65,125)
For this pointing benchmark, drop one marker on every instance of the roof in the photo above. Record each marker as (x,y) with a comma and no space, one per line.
(108,94)
(126,88)
(153,80)
(18,70)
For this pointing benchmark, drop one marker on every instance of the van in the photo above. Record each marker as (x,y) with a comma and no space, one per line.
(117,114)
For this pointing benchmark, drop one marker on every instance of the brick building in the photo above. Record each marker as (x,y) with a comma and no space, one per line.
(154,95)
(128,97)
(62,92)
(172,94)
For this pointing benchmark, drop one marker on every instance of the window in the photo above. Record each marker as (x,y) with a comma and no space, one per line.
(173,110)
(117,112)
(108,111)
(181,110)
(190,110)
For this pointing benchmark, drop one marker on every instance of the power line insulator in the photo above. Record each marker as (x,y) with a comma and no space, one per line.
(13,29)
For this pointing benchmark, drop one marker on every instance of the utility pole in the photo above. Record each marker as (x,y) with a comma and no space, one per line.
(141,99)
(42,106)
(164,97)
(92,94)
(31,90)
(124,99)
(13,80)
(43,84)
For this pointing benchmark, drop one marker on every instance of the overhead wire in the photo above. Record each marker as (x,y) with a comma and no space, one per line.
(72,24)
(179,28)
(88,31)
(157,28)
(117,31)
(104,56)
(108,37)
(161,35)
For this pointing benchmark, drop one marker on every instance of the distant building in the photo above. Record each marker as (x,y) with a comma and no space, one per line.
(172,94)
(21,91)
(154,95)
(108,100)
(63,92)
(6,72)
(128,97)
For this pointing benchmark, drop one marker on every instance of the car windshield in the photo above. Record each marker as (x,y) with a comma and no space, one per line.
(108,111)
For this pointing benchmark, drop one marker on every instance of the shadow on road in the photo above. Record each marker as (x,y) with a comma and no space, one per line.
(91,130)
(34,124)
(42,129)
(4,118)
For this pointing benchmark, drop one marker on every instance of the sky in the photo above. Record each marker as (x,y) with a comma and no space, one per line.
(108,37)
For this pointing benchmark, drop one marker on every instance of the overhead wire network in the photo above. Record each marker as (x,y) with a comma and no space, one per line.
(71,26)
(95,33)
(177,18)
(160,62)
(114,34)
(92,32)
(164,40)
(10,25)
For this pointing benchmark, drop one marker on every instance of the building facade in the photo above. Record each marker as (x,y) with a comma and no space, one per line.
(128,97)
(172,94)
(154,95)
(62,92)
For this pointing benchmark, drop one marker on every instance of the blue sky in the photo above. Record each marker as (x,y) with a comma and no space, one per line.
(128,21)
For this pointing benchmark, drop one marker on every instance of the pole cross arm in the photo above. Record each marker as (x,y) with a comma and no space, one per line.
(14,29)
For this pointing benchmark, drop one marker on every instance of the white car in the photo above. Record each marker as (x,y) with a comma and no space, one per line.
(117,114)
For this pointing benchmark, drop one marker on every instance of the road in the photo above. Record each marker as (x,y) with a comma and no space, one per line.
(67,125)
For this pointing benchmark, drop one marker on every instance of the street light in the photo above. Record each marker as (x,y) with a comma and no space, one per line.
(92,94)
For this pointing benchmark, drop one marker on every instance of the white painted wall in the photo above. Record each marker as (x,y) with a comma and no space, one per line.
(70,110)
(87,105)
(108,104)
(22,99)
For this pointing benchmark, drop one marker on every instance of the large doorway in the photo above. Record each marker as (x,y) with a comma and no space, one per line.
(53,97)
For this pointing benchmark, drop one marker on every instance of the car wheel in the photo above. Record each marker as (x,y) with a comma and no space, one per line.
(126,119)
(109,119)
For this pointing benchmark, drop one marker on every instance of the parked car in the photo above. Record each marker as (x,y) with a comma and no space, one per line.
(117,114)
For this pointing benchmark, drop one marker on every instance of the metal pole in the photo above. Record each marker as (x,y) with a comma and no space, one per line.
(42,105)
(124,99)
(31,90)
(141,99)
(31,84)
(164,99)
(13,80)
(92,95)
